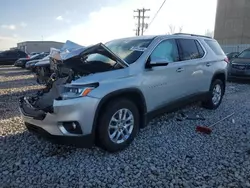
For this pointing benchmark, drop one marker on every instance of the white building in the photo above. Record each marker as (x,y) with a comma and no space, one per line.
(38,46)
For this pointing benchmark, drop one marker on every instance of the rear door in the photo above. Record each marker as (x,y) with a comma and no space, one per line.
(192,56)
(9,57)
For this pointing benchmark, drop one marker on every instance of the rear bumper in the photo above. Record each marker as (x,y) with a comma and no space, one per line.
(86,141)
(19,64)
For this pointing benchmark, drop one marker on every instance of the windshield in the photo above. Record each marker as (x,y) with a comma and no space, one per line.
(245,54)
(127,49)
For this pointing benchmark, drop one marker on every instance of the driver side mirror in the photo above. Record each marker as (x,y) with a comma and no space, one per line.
(157,62)
(236,55)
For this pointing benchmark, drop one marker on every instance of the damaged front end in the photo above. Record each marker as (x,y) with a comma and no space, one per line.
(36,106)
(66,66)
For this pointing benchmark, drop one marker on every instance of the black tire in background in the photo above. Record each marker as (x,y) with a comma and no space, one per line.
(103,138)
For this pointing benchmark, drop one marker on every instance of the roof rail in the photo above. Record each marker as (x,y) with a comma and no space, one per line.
(192,35)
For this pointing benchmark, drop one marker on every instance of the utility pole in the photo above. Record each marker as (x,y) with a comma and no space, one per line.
(138,21)
(143,17)
(141,21)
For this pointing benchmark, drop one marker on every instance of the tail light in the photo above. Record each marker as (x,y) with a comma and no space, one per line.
(28,56)
(227,60)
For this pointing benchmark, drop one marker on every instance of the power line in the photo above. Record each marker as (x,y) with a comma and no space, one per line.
(155,14)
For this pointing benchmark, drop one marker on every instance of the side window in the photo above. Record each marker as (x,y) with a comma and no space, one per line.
(200,49)
(189,49)
(12,54)
(166,50)
(8,54)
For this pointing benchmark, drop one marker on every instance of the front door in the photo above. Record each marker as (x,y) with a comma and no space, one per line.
(165,84)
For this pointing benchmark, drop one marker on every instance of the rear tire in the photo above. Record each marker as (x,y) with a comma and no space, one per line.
(216,93)
(113,132)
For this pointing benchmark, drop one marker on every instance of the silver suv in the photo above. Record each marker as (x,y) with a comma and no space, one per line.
(125,83)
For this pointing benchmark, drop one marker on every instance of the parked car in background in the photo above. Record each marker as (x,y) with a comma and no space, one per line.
(9,57)
(33,53)
(42,70)
(31,64)
(113,90)
(22,61)
(232,55)
(239,67)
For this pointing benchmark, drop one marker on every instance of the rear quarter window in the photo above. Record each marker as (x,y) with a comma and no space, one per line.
(214,45)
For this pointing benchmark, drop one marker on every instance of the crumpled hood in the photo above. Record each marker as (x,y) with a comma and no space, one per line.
(98,77)
(97,48)
(241,61)
(69,49)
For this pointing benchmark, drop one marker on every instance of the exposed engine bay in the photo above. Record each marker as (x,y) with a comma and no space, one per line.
(65,68)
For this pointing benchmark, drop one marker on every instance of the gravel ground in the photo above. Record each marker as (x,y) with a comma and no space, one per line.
(167,153)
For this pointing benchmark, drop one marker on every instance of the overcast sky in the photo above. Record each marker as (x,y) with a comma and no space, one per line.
(91,21)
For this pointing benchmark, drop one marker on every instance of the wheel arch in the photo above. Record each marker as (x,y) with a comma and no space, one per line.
(132,94)
(221,75)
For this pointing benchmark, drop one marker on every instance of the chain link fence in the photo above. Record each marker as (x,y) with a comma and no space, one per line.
(235,48)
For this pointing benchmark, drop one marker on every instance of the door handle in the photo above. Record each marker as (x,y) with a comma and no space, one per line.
(208,64)
(179,69)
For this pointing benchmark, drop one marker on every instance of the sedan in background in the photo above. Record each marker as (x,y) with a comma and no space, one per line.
(22,61)
(232,55)
(42,70)
(34,53)
(9,57)
(30,65)
(239,67)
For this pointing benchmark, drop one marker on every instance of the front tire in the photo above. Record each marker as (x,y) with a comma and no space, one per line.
(118,125)
(216,93)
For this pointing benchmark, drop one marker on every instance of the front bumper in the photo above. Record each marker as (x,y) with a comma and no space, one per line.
(86,141)
(80,110)
(238,75)
(238,72)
